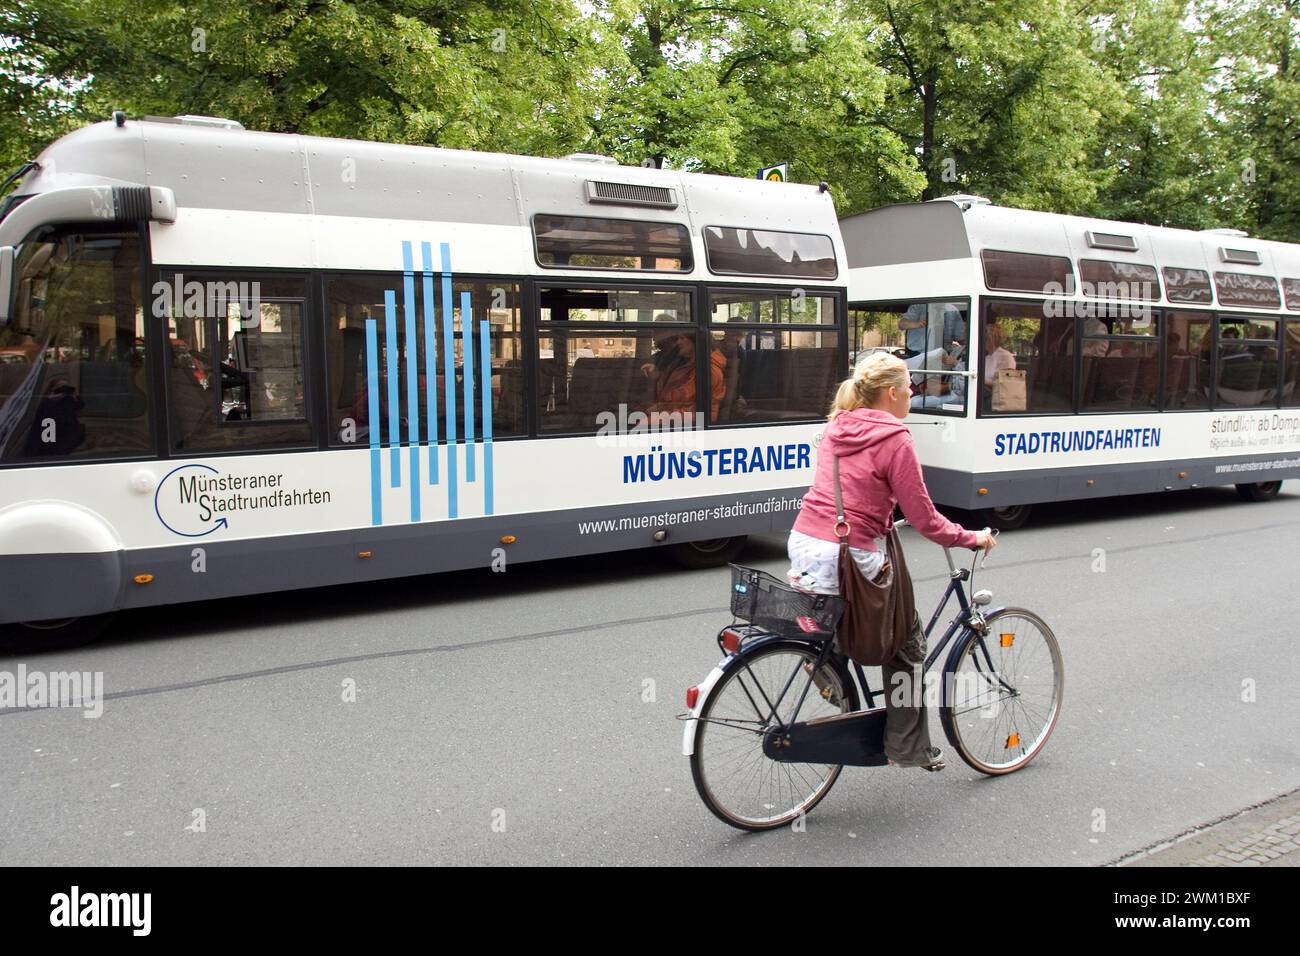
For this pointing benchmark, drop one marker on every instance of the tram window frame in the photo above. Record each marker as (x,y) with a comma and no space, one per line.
(1092,376)
(304,298)
(1248,342)
(686,250)
(856,331)
(1066,314)
(549,328)
(1234,302)
(331,380)
(787,275)
(154,414)
(1182,293)
(1050,286)
(1290,294)
(1093,284)
(836,299)
(1168,317)
(1290,333)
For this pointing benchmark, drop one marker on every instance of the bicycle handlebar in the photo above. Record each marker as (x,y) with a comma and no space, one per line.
(947,552)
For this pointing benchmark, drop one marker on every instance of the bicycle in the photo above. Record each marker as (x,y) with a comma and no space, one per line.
(757,766)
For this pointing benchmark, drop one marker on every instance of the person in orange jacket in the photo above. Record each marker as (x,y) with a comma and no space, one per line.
(672,374)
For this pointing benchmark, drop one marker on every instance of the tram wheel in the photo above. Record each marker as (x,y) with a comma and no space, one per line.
(34,637)
(1259,491)
(711,553)
(1008,518)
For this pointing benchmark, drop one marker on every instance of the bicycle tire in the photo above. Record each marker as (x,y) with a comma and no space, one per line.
(708,765)
(1005,726)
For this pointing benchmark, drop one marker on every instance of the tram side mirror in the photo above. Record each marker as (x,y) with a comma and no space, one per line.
(6,282)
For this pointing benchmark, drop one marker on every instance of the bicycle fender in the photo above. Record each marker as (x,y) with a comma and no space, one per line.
(692,721)
(731,660)
(951,661)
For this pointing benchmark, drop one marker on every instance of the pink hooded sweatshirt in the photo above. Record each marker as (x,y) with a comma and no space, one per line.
(878,469)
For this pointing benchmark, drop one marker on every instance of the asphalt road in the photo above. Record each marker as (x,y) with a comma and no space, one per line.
(502,717)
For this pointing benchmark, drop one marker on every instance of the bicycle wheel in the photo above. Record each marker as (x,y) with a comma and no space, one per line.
(736,781)
(1002,692)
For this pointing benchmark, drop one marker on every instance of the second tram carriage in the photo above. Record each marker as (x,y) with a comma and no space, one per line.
(1060,357)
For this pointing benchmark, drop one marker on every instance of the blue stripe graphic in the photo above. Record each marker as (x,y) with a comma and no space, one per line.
(394,406)
(449,376)
(430,361)
(372,388)
(485,364)
(412,380)
(467,350)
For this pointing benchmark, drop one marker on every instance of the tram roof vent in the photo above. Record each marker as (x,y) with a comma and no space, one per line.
(593,158)
(1245,257)
(1111,240)
(631,194)
(965,200)
(189,119)
(1234,233)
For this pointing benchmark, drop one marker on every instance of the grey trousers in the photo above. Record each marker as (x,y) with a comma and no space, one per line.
(907,732)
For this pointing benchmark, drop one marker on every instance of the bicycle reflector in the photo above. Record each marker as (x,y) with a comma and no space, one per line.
(1013,741)
(730,641)
(1008,640)
(692,695)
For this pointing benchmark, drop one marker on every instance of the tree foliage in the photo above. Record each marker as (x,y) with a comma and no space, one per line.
(1179,112)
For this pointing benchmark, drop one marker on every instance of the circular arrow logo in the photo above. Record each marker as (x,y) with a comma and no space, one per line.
(184,504)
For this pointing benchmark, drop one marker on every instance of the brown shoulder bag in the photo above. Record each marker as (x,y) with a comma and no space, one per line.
(878,618)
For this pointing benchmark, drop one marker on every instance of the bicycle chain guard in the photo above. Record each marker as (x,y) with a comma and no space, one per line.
(856,740)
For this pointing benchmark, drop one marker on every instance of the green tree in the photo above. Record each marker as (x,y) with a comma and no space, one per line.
(1163,152)
(508,75)
(1258,95)
(729,88)
(995,98)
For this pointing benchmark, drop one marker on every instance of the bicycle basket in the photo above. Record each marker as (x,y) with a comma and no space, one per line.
(773,605)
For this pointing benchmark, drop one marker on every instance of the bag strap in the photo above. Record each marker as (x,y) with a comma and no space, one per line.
(839,503)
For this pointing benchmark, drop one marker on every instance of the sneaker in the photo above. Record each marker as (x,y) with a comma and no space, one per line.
(933,762)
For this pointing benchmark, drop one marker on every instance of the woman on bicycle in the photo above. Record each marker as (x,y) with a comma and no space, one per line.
(878,470)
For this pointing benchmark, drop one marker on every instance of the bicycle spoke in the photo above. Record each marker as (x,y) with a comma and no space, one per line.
(737,775)
(1006,693)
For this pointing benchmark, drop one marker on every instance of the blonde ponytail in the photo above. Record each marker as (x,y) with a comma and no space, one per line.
(875,372)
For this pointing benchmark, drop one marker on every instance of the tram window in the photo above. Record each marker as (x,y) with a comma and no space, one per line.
(772,375)
(1035,338)
(1188,285)
(1107,279)
(1027,272)
(614,305)
(73,380)
(765,252)
(236,368)
(1120,366)
(929,336)
(588,242)
(1291,343)
(1291,290)
(1188,368)
(590,378)
(772,308)
(604,354)
(1247,374)
(778,353)
(353,301)
(1248,289)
